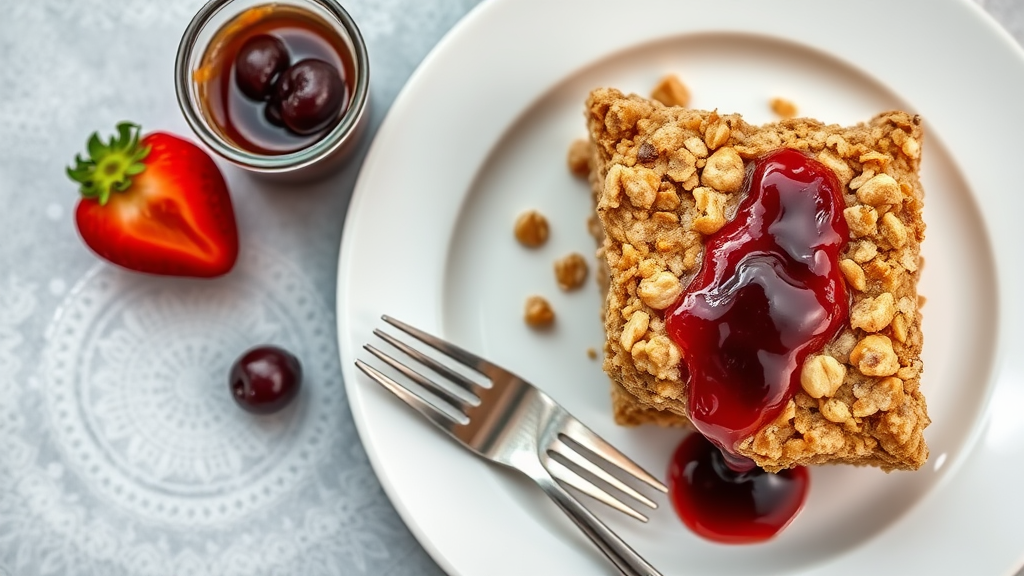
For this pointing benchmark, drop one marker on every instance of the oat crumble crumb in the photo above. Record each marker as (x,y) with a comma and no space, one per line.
(571,271)
(784,108)
(539,313)
(531,229)
(579,157)
(671,91)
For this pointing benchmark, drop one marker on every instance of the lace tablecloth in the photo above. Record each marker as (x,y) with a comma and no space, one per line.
(120,451)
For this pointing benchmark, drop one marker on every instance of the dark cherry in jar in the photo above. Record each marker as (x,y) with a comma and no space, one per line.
(258,64)
(241,104)
(309,95)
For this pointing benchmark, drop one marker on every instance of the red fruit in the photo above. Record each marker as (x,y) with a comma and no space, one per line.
(265,379)
(157,205)
(311,95)
(258,63)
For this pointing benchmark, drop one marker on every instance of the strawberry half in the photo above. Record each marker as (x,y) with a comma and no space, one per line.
(157,205)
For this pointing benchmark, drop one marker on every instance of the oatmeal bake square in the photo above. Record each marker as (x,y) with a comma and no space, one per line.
(667,179)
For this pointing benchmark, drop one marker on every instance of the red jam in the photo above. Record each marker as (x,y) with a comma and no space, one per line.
(720,504)
(768,293)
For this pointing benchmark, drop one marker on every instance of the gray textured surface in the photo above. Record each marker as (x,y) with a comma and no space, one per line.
(1009,13)
(73,67)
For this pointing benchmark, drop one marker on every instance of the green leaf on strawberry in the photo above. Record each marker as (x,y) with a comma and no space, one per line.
(110,166)
(156,204)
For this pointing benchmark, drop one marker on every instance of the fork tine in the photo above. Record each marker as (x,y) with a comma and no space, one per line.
(459,403)
(578,432)
(566,451)
(438,416)
(464,356)
(563,473)
(463,382)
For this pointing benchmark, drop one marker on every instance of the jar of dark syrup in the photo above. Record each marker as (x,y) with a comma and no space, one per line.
(317,39)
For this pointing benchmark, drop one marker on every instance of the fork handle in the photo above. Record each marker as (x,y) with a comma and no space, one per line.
(621,555)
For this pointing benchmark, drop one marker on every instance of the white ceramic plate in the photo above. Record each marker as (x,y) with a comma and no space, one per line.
(480,133)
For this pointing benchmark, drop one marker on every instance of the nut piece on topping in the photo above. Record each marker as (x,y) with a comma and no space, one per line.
(873,314)
(658,356)
(660,290)
(863,251)
(854,274)
(671,91)
(641,186)
(717,132)
(724,170)
(874,356)
(539,313)
(711,205)
(882,395)
(822,376)
(835,410)
(571,271)
(784,108)
(531,229)
(862,220)
(879,191)
(635,329)
(893,230)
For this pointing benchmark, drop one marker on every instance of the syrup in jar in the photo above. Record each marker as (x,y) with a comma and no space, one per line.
(276,79)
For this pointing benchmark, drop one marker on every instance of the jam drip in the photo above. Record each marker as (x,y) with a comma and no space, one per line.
(768,293)
(731,507)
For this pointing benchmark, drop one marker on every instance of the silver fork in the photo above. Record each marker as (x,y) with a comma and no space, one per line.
(513,423)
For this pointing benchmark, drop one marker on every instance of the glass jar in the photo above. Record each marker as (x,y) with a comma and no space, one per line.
(197,63)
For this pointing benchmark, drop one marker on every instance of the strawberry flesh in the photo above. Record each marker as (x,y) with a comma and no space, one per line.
(157,205)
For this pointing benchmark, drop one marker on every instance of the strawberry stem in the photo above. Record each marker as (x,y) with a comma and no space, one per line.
(110,166)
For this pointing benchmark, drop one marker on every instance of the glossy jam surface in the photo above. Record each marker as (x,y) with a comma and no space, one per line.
(731,507)
(769,292)
(237,63)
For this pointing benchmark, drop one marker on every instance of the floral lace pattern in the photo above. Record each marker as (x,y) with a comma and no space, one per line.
(126,454)
(135,383)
